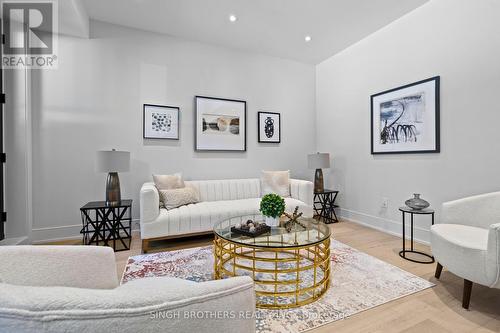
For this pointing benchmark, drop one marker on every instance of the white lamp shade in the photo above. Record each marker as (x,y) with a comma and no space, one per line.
(318,161)
(112,161)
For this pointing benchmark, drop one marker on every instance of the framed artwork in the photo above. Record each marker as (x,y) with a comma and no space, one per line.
(160,122)
(269,125)
(221,124)
(406,119)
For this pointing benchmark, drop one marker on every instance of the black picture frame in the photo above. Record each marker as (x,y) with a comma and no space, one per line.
(196,147)
(145,136)
(259,132)
(437,143)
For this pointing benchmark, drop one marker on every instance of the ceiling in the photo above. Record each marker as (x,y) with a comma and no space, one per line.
(272,27)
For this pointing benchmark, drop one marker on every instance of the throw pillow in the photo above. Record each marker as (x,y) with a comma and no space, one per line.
(168,182)
(179,197)
(277,182)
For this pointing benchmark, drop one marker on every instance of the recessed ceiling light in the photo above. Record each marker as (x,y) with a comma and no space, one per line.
(307,38)
(233,18)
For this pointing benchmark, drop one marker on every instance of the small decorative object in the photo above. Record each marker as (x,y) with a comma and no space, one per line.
(250,228)
(160,122)
(272,207)
(269,125)
(406,119)
(293,219)
(417,203)
(112,162)
(318,161)
(220,124)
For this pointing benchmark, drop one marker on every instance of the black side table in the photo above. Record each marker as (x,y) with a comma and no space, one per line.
(107,225)
(324,205)
(412,212)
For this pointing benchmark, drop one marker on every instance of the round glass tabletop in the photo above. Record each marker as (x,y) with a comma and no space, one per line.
(308,232)
(416,211)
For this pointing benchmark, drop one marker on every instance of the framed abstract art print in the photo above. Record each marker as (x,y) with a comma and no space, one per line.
(406,119)
(160,122)
(220,124)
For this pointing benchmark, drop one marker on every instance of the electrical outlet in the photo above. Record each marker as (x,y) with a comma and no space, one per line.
(385,203)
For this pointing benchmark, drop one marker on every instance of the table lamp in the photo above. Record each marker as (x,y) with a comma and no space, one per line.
(318,161)
(112,162)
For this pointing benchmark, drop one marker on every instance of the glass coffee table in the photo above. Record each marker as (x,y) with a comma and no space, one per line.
(290,268)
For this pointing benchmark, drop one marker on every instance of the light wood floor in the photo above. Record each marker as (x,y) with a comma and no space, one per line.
(436,309)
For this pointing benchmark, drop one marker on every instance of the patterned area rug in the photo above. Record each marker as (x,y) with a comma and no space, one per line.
(359,282)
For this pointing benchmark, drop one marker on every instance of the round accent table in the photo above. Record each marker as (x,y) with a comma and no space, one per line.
(404,251)
(290,268)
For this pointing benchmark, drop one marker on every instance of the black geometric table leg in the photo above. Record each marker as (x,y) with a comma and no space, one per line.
(106,225)
(324,206)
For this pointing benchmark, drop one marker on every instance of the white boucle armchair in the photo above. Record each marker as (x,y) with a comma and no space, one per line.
(467,241)
(76,289)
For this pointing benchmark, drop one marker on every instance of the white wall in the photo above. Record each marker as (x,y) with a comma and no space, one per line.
(456,39)
(94,101)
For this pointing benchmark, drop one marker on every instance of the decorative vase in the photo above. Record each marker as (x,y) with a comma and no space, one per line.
(417,203)
(272,221)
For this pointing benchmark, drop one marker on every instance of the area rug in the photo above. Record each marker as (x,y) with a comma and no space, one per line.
(358,282)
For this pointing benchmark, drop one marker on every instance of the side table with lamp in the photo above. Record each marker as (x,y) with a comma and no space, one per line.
(324,199)
(109,222)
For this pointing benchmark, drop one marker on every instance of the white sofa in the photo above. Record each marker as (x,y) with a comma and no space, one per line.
(467,241)
(220,199)
(75,289)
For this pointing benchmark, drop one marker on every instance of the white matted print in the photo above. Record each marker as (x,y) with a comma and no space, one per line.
(269,124)
(160,122)
(220,124)
(406,119)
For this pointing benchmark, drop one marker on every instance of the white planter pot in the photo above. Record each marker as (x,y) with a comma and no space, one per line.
(272,221)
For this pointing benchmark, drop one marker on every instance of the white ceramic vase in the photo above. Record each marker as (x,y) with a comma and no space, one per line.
(272,221)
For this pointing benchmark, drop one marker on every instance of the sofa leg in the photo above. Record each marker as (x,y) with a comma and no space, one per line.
(467,293)
(439,269)
(145,246)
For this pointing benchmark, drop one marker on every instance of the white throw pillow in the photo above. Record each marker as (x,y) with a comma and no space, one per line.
(168,182)
(179,197)
(277,182)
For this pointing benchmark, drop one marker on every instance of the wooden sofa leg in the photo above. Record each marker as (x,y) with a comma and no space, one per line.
(467,293)
(145,246)
(439,269)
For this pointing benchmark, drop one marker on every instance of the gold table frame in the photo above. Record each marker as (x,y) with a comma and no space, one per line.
(285,293)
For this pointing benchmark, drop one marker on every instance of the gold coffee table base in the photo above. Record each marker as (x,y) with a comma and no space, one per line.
(285,277)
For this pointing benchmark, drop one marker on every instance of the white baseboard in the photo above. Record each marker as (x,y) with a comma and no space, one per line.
(59,233)
(14,241)
(385,225)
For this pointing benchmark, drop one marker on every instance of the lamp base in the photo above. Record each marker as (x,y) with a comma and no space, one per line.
(318,181)
(113,196)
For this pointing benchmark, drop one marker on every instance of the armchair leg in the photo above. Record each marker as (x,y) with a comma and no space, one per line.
(439,269)
(467,293)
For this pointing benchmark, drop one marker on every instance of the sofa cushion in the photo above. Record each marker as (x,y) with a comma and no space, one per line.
(204,215)
(168,182)
(277,182)
(226,189)
(179,197)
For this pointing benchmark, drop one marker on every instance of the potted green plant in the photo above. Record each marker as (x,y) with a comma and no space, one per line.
(272,207)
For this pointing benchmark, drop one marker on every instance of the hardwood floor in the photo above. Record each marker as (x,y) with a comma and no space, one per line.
(437,309)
